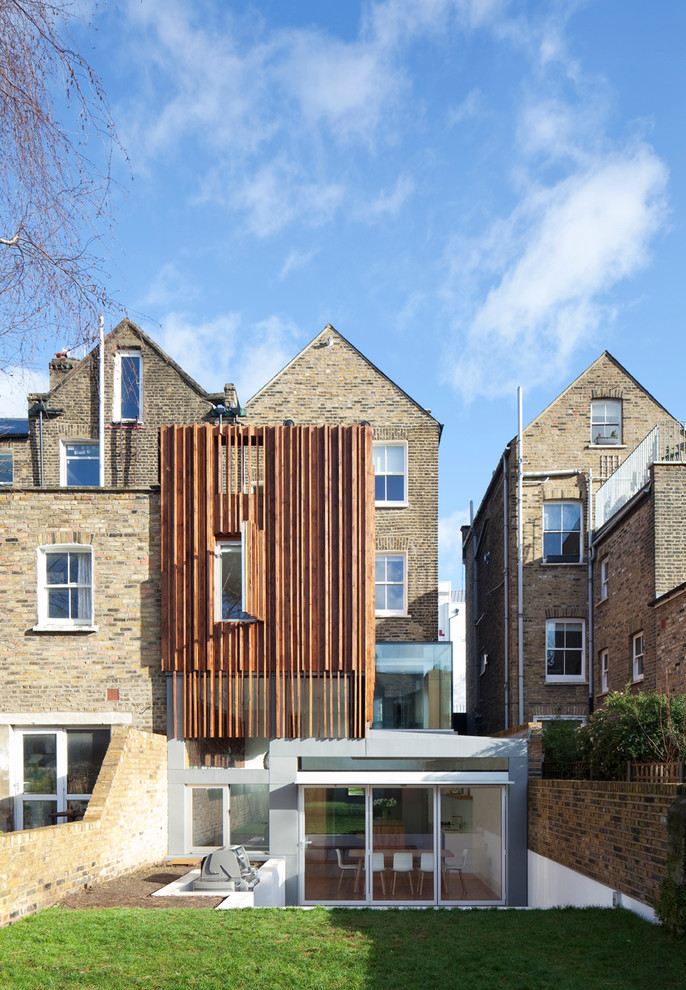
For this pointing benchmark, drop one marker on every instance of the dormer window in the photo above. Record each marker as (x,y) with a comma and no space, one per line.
(128,387)
(606,421)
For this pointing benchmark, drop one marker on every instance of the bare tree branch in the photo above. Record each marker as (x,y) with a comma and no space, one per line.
(56,143)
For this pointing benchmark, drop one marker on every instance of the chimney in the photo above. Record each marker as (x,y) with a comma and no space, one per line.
(60,366)
(230,397)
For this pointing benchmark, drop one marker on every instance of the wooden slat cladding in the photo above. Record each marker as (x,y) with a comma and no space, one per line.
(301,502)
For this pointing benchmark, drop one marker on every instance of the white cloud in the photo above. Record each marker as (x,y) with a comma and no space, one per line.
(388,203)
(169,285)
(15,384)
(295,262)
(567,245)
(227,349)
(473,105)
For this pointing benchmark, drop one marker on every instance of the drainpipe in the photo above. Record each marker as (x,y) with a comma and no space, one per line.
(506,630)
(101,402)
(41,407)
(590,593)
(520,562)
(475,610)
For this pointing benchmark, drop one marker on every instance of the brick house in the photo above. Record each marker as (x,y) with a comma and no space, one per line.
(529,655)
(639,571)
(79,570)
(219,586)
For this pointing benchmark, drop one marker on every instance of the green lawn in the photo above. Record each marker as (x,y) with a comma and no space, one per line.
(375,950)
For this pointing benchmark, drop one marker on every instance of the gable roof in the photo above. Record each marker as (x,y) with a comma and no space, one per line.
(154,346)
(330,331)
(619,366)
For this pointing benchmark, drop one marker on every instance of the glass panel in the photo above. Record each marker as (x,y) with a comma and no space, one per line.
(380,568)
(403,861)
(395,460)
(570,546)
(555,662)
(574,639)
(57,568)
(130,386)
(232,597)
(250,816)
(394,599)
(334,819)
(379,460)
(571,517)
(573,663)
(6,467)
(413,688)
(551,545)
(380,488)
(380,598)
(471,843)
(395,488)
(40,763)
(86,750)
(38,813)
(58,604)
(552,516)
(395,568)
(207,816)
(83,465)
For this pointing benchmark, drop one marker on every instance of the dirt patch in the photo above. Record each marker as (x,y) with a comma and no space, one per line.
(134,890)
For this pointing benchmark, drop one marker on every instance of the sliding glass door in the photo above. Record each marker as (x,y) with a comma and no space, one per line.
(423,844)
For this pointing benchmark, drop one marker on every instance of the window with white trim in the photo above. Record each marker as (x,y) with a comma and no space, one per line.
(391,587)
(606,421)
(637,656)
(390,474)
(565,651)
(80,464)
(128,387)
(6,467)
(65,587)
(230,582)
(604,579)
(604,670)
(561,532)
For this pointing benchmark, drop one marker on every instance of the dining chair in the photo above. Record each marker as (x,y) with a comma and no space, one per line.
(458,867)
(426,865)
(345,866)
(402,863)
(379,866)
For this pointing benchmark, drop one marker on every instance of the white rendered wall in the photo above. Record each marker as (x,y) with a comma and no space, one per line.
(554,885)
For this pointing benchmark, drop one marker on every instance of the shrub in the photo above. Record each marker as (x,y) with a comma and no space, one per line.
(642,728)
(560,744)
(671,906)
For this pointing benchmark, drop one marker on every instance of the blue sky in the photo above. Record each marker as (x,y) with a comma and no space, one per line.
(478,194)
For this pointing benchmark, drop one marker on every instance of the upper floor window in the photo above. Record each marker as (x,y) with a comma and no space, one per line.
(6,467)
(80,464)
(391,588)
(604,579)
(230,582)
(561,532)
(65,587)
(604,671)
(564,642)
(606,421)
(637,657)
(128,386)
(390,470)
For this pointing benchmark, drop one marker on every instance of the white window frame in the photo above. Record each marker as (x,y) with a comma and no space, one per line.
(596,422)
(8,453)
(604,579)
(393,503)
(64,460)
(393,611)
(564,502)
(61,625)
(637,656)
(116,411)
(218,605)
(604,671)
(566,678)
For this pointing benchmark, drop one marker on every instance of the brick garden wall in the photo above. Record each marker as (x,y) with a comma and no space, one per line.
(613,832)
(125,826)
(335,384)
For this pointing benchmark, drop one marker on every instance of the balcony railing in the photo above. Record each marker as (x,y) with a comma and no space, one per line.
(666,442)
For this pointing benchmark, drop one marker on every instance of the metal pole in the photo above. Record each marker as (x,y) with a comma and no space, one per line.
(520,561)
(101,403)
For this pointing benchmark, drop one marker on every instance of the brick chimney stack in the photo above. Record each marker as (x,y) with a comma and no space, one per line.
(60,366)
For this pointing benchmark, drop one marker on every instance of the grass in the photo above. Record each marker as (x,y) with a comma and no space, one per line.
(183,949)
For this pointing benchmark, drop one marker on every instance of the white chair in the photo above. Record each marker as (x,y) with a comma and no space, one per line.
(426,865)
(346,866)
(402,863)
(379,866)
(458,868)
